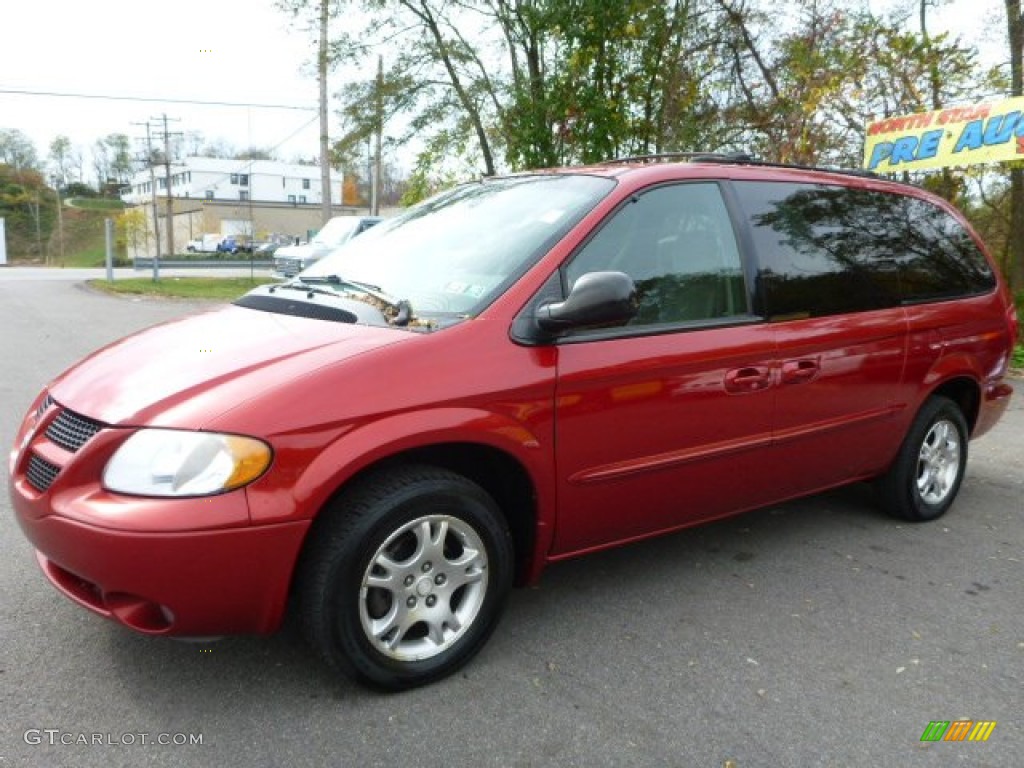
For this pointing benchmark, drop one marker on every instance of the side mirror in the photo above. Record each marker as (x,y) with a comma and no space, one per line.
(597,298)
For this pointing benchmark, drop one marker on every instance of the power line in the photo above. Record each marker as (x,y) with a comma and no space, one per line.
(113,97)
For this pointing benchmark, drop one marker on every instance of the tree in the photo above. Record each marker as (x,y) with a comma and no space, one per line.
(490,84)
(16,150)
(429,177)
(61,160)
(101,163)
(807,93)
(256,153)
(530,83)
(25,202)
(219,148)
(79,189)
(122,161)
(367,106)
(784,82)
(325,10)
(132,229)
(350,194)
(28,207)
(597,79)
(1015,37)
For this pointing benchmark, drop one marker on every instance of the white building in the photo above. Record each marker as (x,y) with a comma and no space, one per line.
(213,178)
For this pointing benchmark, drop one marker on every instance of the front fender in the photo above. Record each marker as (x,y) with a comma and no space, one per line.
(526,437)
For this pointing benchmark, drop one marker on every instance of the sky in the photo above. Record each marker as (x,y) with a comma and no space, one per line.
(237,52)
(229,51)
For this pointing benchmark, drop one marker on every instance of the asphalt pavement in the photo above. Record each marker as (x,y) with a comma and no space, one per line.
(814,633)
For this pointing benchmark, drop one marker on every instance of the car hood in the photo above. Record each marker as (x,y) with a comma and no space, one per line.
(301,251)
(187,372)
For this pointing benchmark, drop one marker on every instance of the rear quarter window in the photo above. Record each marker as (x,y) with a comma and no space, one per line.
(938,258)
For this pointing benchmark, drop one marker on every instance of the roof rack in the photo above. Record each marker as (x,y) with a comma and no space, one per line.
(737,158)
(702,157)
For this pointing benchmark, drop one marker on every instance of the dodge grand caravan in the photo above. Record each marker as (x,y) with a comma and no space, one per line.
(518,371)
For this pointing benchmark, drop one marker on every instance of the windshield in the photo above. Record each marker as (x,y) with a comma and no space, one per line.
(337,230)
(453,254)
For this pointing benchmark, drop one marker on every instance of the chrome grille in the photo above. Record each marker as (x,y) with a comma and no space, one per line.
(41,473)
(71,431)
(43,406)
(288,267)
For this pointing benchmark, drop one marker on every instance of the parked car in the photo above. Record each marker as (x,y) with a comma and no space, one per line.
(292,259)
(232,244)
(209,243)
(266,250)
(516,372)
(270,246)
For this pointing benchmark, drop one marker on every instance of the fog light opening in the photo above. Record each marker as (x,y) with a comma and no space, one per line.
(138,613)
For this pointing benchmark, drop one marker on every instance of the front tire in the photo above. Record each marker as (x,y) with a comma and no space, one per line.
(925,478)
(405,577)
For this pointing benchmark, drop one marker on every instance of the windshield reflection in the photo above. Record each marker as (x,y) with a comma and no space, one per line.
(453,254)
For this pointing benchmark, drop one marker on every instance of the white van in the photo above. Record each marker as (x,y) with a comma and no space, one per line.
(205,243)
(292,259)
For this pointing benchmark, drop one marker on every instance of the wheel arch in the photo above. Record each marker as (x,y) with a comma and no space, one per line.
(500,474)
(966,393)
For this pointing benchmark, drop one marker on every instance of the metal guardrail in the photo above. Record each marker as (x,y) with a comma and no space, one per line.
(143,263)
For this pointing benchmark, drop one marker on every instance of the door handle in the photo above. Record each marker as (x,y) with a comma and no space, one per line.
(749,379)
(799,371)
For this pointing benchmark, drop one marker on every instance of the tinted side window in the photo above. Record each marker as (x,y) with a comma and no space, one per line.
(678,245)
(939,259)
(828,250)
(824,250)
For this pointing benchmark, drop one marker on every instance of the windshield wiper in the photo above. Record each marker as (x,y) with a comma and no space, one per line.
(397,311)
(340,281)
(310,289)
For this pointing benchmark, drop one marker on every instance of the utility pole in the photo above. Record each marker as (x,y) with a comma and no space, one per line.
(369,176)
(39,229)
(325,157)
(169,207)
(60,219)
(1015,34)
(378,129)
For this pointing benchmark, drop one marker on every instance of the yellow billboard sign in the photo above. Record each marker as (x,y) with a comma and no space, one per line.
(979,133)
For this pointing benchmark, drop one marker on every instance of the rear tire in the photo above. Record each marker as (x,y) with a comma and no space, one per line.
(406,577)
(924,480)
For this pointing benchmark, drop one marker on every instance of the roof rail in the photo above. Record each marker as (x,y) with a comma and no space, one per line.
(803,167)
(737,158)
(703,157)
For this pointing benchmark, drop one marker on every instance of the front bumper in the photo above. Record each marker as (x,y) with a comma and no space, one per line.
(190,583)
(181,566)
(287,267)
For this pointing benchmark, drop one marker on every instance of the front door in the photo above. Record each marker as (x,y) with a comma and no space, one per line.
(663,423)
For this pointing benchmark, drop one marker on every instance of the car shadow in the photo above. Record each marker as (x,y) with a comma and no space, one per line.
(569,603)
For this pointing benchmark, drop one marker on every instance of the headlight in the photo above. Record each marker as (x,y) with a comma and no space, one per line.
(167,462)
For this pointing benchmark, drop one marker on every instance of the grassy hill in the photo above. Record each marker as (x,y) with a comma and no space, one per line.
(84,235)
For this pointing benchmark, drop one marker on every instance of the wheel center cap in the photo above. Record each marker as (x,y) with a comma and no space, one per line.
(424,587)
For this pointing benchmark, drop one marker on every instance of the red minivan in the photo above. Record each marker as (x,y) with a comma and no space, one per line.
(518,371)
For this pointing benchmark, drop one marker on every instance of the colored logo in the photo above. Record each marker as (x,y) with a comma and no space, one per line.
(958,730)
